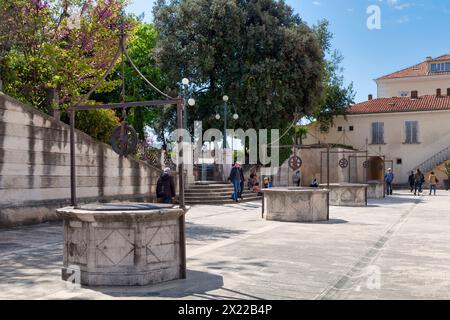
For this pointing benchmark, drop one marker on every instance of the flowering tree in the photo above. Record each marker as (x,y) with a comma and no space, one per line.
(63,45)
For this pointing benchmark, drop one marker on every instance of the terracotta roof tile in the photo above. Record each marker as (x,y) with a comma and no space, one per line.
(401,104)
(418,70)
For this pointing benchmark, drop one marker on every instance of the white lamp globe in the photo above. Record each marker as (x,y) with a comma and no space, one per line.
(235,116)
(191,102)
(185,81)
(217,116)
(225,98)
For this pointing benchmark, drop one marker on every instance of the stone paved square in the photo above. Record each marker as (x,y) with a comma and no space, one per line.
(397,248)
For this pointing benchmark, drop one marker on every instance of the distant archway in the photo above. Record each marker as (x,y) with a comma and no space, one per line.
(375,169)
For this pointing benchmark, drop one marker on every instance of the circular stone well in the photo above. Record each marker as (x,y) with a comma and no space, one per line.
(296,204)
(123,244)
(347,194)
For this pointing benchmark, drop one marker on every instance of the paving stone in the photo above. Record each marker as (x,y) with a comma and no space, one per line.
(402,241)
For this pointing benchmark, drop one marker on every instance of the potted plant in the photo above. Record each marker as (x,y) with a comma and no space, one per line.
(446,170)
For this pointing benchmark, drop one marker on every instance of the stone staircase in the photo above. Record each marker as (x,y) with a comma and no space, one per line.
(435,160)
(215,193)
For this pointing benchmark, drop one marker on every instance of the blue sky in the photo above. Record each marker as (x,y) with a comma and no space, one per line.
(410,31)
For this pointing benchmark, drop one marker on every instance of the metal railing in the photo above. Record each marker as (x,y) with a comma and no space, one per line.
(436,160)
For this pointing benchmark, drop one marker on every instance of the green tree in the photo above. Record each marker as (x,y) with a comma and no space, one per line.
(141,48)
(258,52)
(65,45)
(336,96)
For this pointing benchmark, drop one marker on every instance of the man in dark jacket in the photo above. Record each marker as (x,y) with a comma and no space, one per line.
(235,178)
(165,187)
(411,180)
(241,172)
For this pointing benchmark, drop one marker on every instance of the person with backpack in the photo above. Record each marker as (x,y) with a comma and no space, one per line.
(433,181)
(165,187)
(419,179)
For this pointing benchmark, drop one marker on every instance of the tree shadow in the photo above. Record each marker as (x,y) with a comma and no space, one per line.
(204,232)
(196,283)
(393,200)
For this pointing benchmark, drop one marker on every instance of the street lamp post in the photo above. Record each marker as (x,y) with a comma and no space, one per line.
(225,116)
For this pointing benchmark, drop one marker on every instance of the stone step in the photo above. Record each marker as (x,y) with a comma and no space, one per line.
(212,184)
(218,198)
(224,190)
(211,193)
(212,188)
(228,201)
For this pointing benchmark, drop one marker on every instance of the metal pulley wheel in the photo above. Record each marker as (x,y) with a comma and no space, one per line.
(343,163)
(124,140)
(295,163)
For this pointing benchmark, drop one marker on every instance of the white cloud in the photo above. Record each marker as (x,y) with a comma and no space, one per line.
(398,4)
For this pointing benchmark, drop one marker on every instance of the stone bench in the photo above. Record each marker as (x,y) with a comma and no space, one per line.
(123,244)
(296,204)
(347,194)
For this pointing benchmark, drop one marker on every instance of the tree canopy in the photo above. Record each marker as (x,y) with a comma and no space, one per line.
(258,52)
(65,45)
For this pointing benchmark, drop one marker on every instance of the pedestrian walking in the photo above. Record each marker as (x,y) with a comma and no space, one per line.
(389,179)
(411,181)
(235,178)
(419,179)
(165,187)
(433,181)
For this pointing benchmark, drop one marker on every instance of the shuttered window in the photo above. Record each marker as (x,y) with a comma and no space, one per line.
(378,133)
(411,132)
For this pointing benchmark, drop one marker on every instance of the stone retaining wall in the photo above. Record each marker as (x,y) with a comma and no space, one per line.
(35,167)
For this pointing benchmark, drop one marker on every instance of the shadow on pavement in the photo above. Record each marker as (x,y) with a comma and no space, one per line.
(197,283)
(394,200)
(205,232)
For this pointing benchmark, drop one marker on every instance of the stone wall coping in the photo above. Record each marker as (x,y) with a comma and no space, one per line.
(65,126)
(70,213)
(295,190)
(375,182)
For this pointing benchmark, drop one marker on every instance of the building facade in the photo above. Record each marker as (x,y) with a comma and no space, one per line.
(408,124)
(425,78)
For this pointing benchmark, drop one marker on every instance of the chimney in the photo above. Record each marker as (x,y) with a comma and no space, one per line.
(414,94)
(429,58)
(371,96)
(438,93)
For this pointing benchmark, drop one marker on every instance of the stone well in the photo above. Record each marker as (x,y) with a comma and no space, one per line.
(375,189)
(123,244)
(347,194)
(296,204)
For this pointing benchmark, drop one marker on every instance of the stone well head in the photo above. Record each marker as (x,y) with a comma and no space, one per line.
(123,244)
